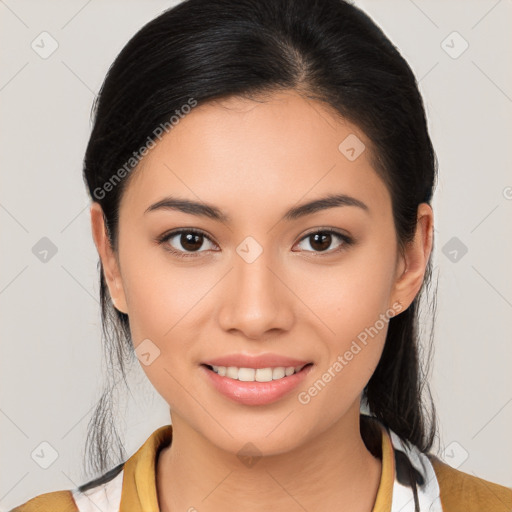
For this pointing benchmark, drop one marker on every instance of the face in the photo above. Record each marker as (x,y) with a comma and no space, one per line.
(316,286)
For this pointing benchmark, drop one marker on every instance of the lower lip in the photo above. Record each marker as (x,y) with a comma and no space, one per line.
(255,393)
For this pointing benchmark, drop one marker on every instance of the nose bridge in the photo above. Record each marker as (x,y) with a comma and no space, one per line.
(255,300)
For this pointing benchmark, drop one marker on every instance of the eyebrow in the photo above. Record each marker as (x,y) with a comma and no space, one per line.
(212,212)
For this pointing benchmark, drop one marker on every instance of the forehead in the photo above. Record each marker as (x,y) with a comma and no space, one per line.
(265,152)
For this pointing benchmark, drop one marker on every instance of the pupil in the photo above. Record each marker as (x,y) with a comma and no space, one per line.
(191,241)
(323,239)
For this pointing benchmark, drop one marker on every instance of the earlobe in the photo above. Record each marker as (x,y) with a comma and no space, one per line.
(415,258)
(108,259)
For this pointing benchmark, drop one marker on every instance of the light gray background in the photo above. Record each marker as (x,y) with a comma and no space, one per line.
(51,358)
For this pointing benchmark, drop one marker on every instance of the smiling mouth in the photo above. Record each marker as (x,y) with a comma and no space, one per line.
(268,374)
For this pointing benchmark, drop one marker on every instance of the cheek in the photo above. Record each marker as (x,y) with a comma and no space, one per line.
(161,307)
(161,296)
(351,295)
(358,321)
(352,302)
(167,308)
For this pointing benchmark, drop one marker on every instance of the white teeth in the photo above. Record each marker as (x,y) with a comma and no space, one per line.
(256,374)
(232,372)
(246,374)
(278,373)
(264,375)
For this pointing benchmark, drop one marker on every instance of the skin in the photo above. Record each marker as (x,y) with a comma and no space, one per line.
(254,161)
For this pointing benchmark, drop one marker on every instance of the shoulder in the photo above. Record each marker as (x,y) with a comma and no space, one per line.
(102,494)
(462,492)
(56,501)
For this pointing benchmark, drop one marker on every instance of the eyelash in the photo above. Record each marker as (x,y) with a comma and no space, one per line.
(347,241)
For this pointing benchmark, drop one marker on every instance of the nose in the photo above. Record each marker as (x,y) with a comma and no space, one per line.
(255,299)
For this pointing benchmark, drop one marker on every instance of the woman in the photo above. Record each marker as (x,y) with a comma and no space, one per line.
(261,177)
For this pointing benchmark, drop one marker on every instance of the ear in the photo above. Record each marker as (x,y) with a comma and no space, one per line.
(109,261)
(412,266)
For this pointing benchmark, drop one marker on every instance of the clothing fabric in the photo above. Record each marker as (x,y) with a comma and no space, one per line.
(411,481)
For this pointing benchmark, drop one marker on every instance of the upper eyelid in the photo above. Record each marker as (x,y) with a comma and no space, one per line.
(336,231)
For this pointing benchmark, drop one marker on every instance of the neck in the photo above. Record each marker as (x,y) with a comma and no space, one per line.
(332,471)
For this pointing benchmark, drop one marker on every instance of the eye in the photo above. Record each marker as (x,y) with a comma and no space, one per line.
(190,240)
(321,240)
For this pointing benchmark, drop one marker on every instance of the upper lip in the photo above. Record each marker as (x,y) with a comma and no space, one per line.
(255,361)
